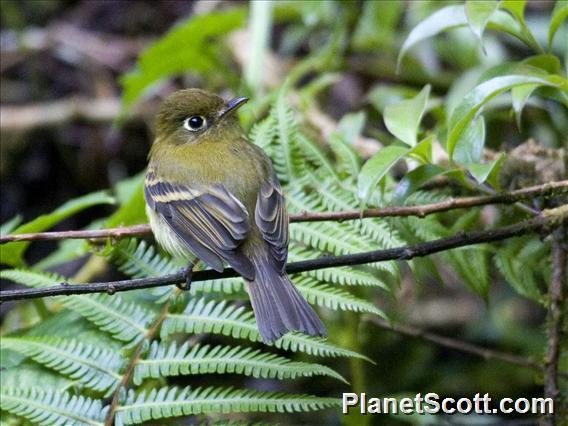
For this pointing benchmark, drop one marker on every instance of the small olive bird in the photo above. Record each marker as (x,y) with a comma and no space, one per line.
(213,195)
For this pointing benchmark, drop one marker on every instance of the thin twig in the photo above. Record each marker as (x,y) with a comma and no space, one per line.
(543,223)
(555,321)
(44,114)
(545,190)
(150,335)
(457,344)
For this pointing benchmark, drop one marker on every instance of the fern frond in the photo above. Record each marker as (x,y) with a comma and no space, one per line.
(126,321)
(139,259)
(30,375)
(263,134)
(201,316)
(96,368)
(343,275)
(286,157)
(331,237)
(172,402)
(518,273)
(348,161)
(221,285)
(333,197)
(315,155)
(49,407)
(32,278)
(334,298)
(169,360)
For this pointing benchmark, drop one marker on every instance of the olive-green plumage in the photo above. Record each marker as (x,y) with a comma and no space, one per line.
(213,194)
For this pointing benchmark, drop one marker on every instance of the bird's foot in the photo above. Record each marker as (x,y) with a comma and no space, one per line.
(188,273)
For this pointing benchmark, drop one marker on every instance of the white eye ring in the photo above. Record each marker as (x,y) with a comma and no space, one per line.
(195,123)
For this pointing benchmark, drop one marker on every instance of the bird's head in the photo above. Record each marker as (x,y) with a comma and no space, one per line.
(193,115)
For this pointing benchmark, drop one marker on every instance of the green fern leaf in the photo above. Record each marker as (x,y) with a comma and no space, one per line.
(32,278)
(171,402)
(311,152)
(518,272)
(343,275)
(164,360)
(332,197)
(286,157)
(201,316)
(94,367)
(49,407)
(334,298)
(138,259)
(222,285)
(126,321)
(348,161)
(263,134)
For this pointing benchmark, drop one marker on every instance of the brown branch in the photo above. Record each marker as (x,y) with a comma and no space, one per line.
(542,223)
(106,49)
(28,117)
(556,312)
(460,345)
(150,335)
(545,190)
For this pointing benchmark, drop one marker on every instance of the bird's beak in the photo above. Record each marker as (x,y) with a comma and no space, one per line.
(233,105)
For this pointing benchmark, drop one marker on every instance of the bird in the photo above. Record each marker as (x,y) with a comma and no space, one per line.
(212,195)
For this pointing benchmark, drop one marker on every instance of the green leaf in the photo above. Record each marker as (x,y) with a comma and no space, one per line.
(170,401)
(313,153)
(516,7)
(351,126)
(348,161)
(519,272)
(469,146)
(133,209)
(188,47)
(478,14)
(559,15)
(126,321)
(483,93)
(202,316)
(11,253)
(334,298)
(453,17)
(376,28)
(403,118)
(376,168)
(413,180)
(423,150)
(47,407)
(94,367)
(169,360)
(487,172)
(8,227)
(382,95)
(441,20)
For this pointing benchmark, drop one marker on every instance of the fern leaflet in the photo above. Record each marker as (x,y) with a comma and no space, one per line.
(49,407)
(96,368)
(169,360)
(169,401)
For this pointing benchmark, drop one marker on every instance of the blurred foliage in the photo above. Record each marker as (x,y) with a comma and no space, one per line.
(359,104)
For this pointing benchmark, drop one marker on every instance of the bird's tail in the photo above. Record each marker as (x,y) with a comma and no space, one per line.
(278,306)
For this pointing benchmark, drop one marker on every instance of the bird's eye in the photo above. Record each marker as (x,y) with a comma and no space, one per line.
(195,123)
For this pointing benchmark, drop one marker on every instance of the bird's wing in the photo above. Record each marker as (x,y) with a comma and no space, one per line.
(271,218)
(211,221)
